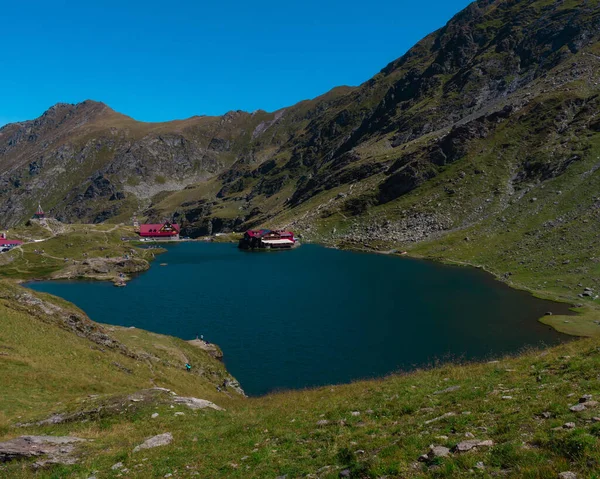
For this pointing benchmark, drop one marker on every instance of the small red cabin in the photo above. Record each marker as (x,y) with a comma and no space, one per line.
(160,231)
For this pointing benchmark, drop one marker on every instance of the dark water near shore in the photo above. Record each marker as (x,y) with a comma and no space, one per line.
(315,316)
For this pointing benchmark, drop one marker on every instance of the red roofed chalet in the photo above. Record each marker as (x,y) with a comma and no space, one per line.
(8,244)
(160,231)
(5,242)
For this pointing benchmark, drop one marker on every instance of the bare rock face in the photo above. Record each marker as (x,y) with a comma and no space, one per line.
(56,449)
(156,441)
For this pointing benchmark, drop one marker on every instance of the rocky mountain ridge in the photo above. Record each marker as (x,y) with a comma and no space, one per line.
(338,161)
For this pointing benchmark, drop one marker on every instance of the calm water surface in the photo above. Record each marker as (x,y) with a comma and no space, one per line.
(315,316)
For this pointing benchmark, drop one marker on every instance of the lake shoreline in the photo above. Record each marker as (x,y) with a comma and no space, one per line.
(200,280)
(585,326)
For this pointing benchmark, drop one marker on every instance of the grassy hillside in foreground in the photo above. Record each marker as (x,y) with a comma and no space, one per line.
(98,380)
(373,428)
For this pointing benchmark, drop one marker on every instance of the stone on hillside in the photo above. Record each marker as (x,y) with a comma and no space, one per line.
(179,413)
(577,408)
(585,398)
(154,415)
(156,441)
(596,419)
(439,451)
(434,452)
(465,446)
(567,475)
(57,449)
(443,416)
(195,403)
(118,465)
(569,425)
(448,390)
(322,422)
(591,404)
(470,435)
(345,473)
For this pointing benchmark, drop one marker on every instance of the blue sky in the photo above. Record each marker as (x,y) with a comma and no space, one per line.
(157,60)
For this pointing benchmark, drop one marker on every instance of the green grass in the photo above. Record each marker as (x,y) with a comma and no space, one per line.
(38,260)
(536,232)
(48,369)
(278,434)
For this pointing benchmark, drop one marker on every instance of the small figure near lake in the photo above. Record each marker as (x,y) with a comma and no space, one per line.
(188,367)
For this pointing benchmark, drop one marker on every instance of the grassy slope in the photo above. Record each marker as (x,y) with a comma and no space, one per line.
(527,233)
(49,369)
(278,434)
(67,246)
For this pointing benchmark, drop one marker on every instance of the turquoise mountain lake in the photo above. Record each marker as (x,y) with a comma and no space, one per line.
(316,316)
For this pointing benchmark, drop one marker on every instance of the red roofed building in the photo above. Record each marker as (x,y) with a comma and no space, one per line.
(39,214)
(4,243)
(160,231)
(267,239)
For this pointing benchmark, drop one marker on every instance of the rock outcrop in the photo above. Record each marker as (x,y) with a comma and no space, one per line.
(50,449)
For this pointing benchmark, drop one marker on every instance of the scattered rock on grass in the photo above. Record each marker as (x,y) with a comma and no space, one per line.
(156,441)
(435,452)
(567,475)
(195,403)
(465,446)
(443,416)
(448,390)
